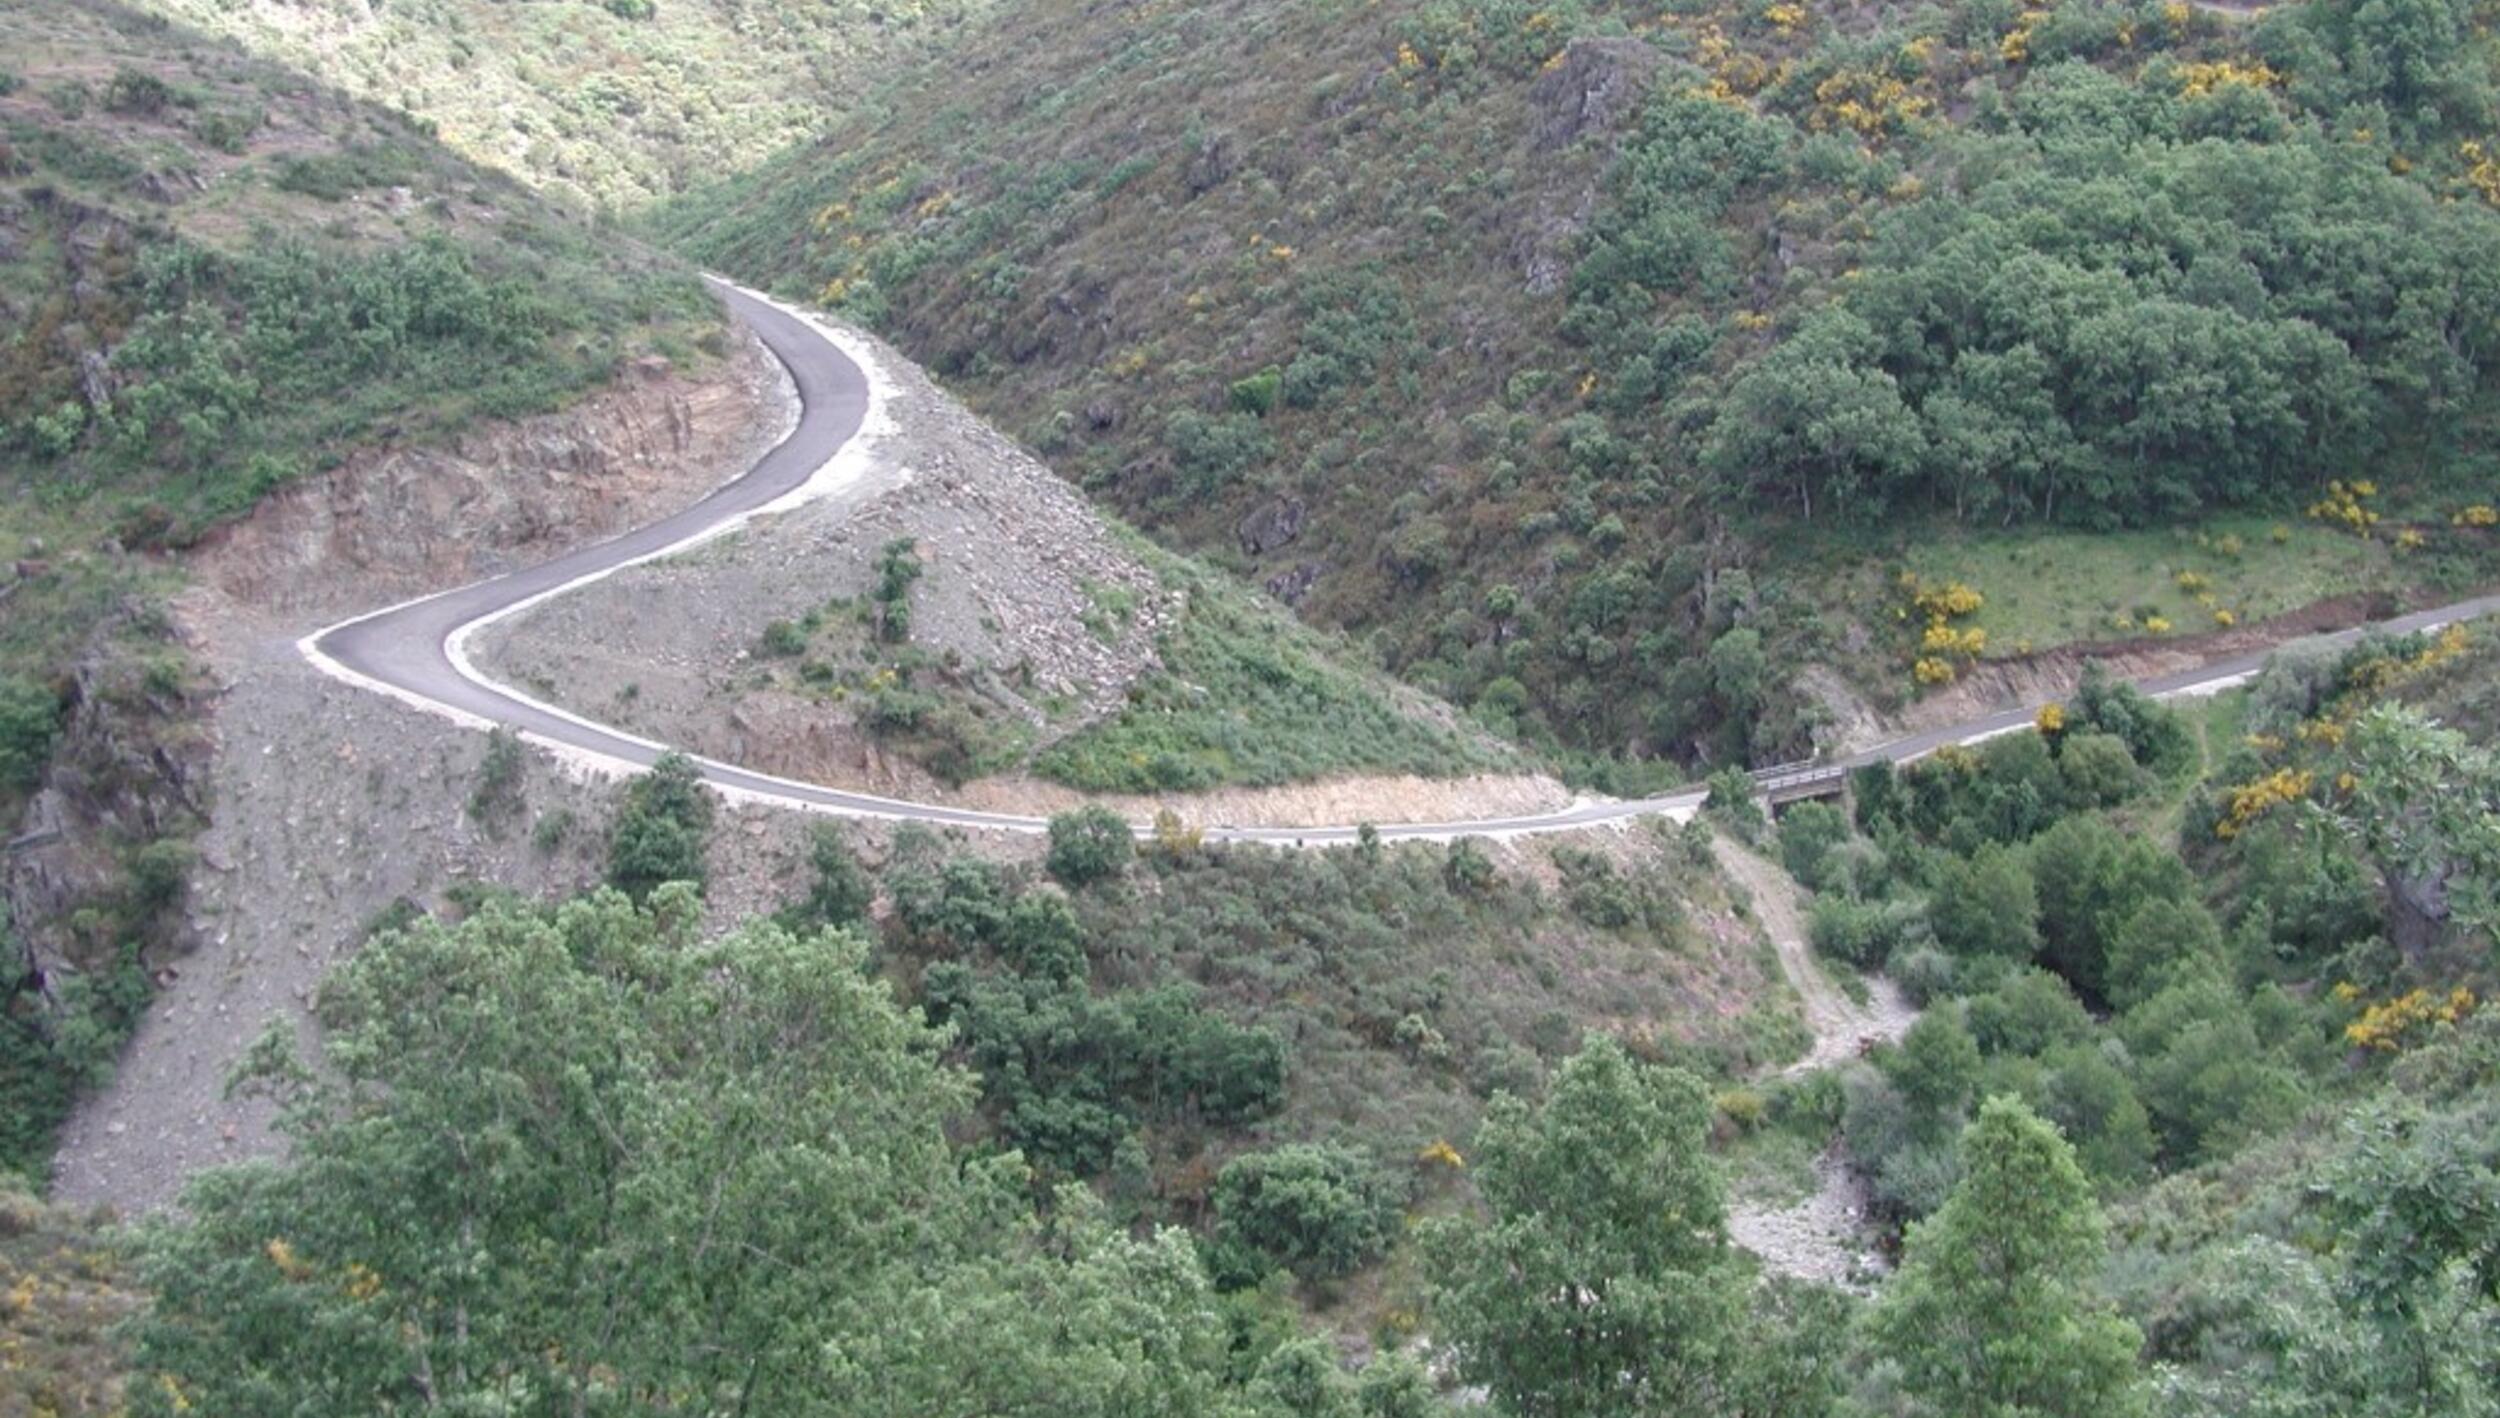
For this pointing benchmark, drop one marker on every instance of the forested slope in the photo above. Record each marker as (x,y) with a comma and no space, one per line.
(1596,361)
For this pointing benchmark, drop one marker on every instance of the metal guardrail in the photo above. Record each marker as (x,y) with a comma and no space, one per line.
(1782,777)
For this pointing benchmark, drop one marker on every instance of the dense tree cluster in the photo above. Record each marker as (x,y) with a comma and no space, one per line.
(2123,320)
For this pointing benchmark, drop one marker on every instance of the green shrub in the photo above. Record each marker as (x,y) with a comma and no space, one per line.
(841,892)
(1742,1108)
(1258,393)
(1042,939)
(2098,768)
(1808,834)
(1210,453)
(2153,732)
(1925,974)
(227,130)
(30,718)
(1089,844)
(551,831)
(782,638)
(496,795)
(1986,905)
(1863,934)
(335,177)
(1468,868)
(137,93)
(898,566)
(1735,802)
(1318,1211)
(660,829)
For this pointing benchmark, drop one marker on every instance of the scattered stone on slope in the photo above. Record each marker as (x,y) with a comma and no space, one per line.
(1597,85)
(1272,525)
(1026,595)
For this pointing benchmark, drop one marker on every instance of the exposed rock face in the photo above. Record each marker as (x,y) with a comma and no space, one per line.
(1291,586)
(1543,246)
(1213,164)
(1592,94)
(1599,84)
(1271,526)
(131,767)
(398,522)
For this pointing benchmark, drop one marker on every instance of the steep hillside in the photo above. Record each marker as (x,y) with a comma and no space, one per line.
(1601,364)
(959,625)
(220,275)
(217,278)
(605,102)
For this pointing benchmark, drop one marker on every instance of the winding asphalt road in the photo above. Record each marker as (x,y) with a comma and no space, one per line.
(413,652)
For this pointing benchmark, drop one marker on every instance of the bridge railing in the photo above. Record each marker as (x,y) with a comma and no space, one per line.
(1780,778)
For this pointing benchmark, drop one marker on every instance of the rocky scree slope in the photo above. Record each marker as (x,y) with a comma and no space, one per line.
(960,625)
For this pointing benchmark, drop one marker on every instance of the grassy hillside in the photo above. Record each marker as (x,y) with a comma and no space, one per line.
(1600,362)
(221,275)
(605,102)
(217,276)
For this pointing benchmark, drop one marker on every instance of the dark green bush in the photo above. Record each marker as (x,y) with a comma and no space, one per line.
(660,829)
(782,638)
(1809,833)
(1089,844)
(335,177)
(30,718)
(1318,1211)
(2098,768)
(841,893)
(137,93)
(1258,393)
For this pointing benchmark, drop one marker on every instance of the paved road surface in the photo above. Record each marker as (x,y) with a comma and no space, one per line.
(412,652)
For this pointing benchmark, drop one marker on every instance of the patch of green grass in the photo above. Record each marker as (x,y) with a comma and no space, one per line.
(2049,588)
(1112,608)
(1771,1166)
(2053,588)
(1247,695)
(2216,724)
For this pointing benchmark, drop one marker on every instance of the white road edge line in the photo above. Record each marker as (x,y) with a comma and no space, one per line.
(848,464)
